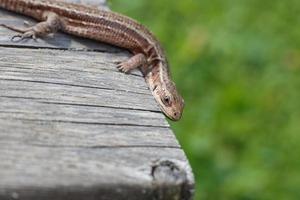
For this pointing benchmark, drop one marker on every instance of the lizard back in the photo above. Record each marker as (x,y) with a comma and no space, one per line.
(93,23)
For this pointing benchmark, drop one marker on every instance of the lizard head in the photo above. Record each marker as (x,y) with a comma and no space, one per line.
(164,90)
(170,101)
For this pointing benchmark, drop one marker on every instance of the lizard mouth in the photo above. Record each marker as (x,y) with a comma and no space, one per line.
(174,116)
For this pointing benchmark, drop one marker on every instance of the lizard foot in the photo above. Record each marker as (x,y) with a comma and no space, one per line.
(134,62)
(123,67)
(51,25)
(24,33)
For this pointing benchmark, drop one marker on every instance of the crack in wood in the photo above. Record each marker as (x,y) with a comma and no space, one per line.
(85,123)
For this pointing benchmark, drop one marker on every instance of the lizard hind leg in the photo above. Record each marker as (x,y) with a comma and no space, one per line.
(134,62)
(24,32)
(51,25)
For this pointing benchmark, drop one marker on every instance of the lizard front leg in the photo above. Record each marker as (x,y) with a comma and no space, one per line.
(134,62)
(51,25)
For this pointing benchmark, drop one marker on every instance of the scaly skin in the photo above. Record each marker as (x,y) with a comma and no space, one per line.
(111,28)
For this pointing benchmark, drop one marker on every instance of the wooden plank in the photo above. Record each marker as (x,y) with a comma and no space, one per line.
(27,109)
(84,173)
(70,94)
(73,127)
(64,134)
(99,84)
(98,68)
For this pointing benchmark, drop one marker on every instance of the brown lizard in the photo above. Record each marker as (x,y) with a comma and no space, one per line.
(108,27)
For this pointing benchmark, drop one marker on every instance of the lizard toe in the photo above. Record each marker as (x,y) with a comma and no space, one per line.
(23,36)
(123,68)
(17,38)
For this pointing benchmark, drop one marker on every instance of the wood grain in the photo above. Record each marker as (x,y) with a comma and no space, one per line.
(73,127)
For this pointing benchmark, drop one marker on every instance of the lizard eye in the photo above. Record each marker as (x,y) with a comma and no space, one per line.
(166,100)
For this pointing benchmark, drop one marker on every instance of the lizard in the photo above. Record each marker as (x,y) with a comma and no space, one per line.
(108,27)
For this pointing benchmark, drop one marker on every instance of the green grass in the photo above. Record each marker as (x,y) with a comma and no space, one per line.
(237,64)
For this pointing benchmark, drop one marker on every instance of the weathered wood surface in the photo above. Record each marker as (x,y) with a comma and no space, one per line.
(73,127)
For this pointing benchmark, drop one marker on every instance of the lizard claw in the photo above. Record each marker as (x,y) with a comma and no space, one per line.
(122,67)
(26,35)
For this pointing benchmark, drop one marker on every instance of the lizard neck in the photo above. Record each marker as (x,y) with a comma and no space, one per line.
(158,77)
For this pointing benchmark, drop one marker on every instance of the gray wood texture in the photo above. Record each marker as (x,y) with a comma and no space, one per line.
(73,127)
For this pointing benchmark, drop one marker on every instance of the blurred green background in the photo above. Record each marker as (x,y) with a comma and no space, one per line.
(237,64)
